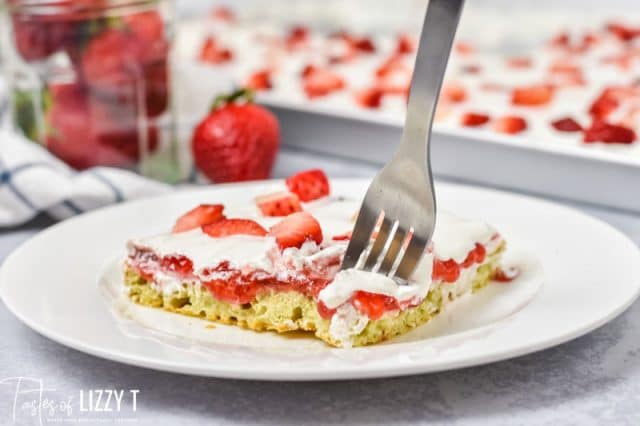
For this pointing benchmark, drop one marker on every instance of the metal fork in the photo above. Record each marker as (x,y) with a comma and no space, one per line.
(397,217)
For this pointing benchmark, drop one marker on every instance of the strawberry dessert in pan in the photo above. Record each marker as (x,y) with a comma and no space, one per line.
(274,264)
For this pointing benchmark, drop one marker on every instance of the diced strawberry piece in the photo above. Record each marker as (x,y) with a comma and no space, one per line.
(294,230)
(297,36)
(279,204)
(363,45)
(532,95)
(477,255)
(505,275)
(370,98)
(212,53)
(445,270)
(567,124)
(406,44)
(453,92)
(325,312)
(391,65)
(199,216)
(228,227)
(519,62)
(260,80)
(373,305)
(321,82)
(472,119)
(623,32)
(601,131)
(342,237)
(464,48)
(510,124)
(179,264)
(222,13)
(309,185)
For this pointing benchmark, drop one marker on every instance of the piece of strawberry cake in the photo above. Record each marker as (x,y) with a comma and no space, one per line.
(278,268)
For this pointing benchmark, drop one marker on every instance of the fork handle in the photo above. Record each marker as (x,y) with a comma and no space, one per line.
(436,39)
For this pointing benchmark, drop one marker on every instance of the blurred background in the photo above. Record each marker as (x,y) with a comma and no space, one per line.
(125,83)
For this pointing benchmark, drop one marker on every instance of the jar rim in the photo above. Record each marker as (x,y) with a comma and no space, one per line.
(80,9)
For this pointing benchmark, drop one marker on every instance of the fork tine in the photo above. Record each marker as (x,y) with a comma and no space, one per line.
(360,238)
(412,255)
(394,249)
(378,245)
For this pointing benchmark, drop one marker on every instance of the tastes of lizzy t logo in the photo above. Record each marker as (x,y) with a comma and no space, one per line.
(31,402)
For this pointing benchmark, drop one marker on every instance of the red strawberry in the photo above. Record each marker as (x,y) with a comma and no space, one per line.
(212,53)
(532,95)
(295,229)
(279,204)
(309,185)
(363,45)
(405,44)
(74,136)
(222,13)
(445,270)
(36,39)
(177,264)
(204,214)
(464,48)
(453,92)
(259,80)
(370,98)
(373,305)
(519,62)
(342,237)
(611,98)
(472,119)
(321,82)
(623,32)
(236,141)
(601,131)
(509,124)
(227,227)
(297,37)
(567,124)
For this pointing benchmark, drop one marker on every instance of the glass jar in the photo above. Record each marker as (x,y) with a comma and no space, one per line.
(90,80)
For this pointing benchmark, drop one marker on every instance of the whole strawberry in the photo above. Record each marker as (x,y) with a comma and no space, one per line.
(237,141)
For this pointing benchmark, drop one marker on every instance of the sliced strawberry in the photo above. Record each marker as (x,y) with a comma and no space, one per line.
(223,13)
(453,92)
(297,37)
(623,32)
(373,305)
(464,48)
(506,275)
(363,45)
(309,185)
(472,119)
(212,53)
(445,270)
(477,255)
(227,227)
(279,204)
(601,131)
(406,44)
(566,124)
(370,98)
(536,95)
(178,264)
(342,237)
(294,230)
(509,124)
(260,80)
(201,215)
(321,82)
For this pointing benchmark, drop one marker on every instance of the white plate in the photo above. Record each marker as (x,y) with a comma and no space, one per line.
(59,282)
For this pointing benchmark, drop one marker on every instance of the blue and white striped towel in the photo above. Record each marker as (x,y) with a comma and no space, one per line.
(34,181)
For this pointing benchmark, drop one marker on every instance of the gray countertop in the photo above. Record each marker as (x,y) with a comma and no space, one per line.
(592,380)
